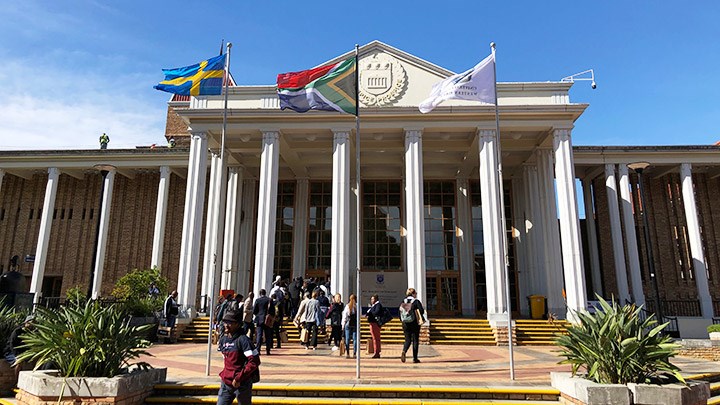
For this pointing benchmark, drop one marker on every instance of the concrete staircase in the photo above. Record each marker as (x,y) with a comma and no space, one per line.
(339,394)
(443,331)
(531,332)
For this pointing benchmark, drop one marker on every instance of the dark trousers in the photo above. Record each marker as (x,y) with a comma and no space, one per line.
(336,335)
(263,330)
(312,329)
(276,332)
(412,335)
(227,393)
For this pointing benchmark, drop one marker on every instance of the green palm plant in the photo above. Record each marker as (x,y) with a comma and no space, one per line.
(616,346)
(10,318)
(84,339)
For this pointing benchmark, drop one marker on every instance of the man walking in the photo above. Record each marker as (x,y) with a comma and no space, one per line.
(241,362)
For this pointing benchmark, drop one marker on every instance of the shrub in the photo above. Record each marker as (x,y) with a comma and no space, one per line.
(76,294)
(10,318)
(132,290)
(615,346)
(713,328)
(84,340)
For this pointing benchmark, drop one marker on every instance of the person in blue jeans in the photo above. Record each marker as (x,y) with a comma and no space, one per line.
(349,323)
(241,362)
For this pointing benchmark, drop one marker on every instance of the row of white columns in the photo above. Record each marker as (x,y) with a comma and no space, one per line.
(550,256)
(629,248)
(108,180)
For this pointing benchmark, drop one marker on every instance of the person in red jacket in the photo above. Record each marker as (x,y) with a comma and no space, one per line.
(242,362)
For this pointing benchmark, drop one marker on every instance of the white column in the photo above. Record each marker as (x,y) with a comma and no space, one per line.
(267,211)
(300,230)
(192,222)
(465,246)
(551,241)
(534,229)
(696,248)
(247,233)
(616,234)
(573,265)
(630,237)
(160,217)
(492,227)
(592,238)
(44,233)
(211,227)
(108,181)
(521,242)
(233,211)
(415,218)
(340,239)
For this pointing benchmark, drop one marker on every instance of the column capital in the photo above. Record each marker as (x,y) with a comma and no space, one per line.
(201,135)
(340,135)
(686,167)
(562,132)
(53,171)
(486,133)
(270,135)
(609,169)
(164,171)
(413,133)
(341,130)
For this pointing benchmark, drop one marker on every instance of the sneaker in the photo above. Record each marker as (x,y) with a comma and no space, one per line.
(313,348)
(347,355)
(402,357)
(307,347)
(416,361)
(335,348)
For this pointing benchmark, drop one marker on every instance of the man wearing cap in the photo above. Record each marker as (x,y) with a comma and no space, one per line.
(242,362)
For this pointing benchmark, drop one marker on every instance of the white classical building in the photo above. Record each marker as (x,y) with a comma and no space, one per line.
(429,192)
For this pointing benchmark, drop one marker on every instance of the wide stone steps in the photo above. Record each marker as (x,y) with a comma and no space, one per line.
(360,394)
(447,331)
(530,332)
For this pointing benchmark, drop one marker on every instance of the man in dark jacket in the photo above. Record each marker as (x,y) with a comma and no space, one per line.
(242,361)
(295,292)
(262,307)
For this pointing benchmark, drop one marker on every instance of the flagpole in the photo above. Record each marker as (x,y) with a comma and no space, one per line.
(358,235)
(503,240)
(220,201)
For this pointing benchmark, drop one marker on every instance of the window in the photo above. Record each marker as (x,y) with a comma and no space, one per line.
(320,226)
(440,241)
(285,223)
(382,213)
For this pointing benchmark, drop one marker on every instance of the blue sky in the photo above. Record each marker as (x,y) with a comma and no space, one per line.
(75,69)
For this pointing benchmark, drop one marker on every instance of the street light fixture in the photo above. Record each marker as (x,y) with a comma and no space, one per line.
(639,167)
(104,170)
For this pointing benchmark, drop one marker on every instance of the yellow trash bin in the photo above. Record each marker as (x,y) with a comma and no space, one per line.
(537,306)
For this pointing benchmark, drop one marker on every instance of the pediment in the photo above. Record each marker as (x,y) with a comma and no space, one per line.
(391,77)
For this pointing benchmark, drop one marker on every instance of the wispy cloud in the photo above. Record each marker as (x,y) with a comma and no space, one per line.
(58,107)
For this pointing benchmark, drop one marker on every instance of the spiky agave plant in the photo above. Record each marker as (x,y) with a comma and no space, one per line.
(84,339)
(615,346)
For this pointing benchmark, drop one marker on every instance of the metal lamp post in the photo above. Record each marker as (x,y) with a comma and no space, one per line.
(104,170)
(638,168)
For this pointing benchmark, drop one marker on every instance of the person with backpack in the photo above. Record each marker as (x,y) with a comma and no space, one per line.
(373,316)
(335,315)
(349,322)
(241,362)
(411,316)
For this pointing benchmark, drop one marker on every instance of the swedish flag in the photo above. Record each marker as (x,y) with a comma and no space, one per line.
(200,79)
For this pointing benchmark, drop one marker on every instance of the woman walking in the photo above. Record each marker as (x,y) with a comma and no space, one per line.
(349,322)
(335,315)
(412,316)
(312,310)
(373,314)
(248,315)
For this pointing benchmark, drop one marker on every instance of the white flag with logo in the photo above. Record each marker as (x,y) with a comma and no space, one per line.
(476,84)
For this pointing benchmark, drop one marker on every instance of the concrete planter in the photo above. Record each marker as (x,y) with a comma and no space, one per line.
(714,335)
(576,390)
(46,388)
(695,393)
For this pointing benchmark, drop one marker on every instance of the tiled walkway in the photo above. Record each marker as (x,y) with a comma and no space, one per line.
(458,365)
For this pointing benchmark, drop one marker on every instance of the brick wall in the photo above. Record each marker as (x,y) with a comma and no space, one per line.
(668,235)
(176,127)
(72,237)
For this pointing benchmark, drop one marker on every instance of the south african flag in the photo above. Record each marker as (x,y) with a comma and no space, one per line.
(328,88)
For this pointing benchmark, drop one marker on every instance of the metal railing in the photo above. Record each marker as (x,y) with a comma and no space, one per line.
(676,307)
(671,329)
